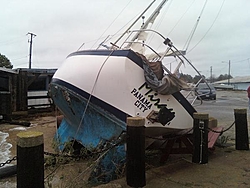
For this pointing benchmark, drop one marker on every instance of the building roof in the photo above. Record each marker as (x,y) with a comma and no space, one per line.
(12,71)
(41,71)
(238,79)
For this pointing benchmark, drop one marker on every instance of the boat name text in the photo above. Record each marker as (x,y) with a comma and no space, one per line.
(146,100)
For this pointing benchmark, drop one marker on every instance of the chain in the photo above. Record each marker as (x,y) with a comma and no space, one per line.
(179,136)
(106,147)
(45,153)
(113,145)
(8,161)
(61,155)
(223,130)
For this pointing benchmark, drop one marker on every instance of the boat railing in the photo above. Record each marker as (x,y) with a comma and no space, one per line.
(144,44)
(159,57)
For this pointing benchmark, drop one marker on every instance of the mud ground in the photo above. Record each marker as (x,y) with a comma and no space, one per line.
(226,167)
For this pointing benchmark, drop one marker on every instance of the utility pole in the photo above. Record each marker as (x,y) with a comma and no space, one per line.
(211,74)
(229,72)
(229,66)
(32,35)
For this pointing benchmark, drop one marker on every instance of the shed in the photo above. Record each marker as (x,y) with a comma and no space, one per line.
(8,97)
(23,89)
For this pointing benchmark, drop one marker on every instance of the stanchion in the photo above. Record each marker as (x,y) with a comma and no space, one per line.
(241,130)
(30,160)
(135,172)
(200,142)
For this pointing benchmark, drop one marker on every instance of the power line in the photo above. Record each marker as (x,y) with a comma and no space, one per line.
(19,58)
(241,60)
(208,28)
(11,41)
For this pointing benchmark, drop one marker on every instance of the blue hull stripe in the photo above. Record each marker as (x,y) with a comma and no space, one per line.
(116,112)
(137,60)
(122,53)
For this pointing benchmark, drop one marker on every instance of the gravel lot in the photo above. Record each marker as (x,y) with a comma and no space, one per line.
(226,167)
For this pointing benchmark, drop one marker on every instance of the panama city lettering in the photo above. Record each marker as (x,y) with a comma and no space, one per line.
(146,100)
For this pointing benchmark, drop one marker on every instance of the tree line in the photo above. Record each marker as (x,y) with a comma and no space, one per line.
(189,79)
(5,62)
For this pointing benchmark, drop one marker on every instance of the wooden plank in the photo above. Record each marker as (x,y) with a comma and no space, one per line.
(39,97)
(213,136)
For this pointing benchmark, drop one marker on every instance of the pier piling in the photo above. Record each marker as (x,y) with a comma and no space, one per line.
(241,130)
(30,160)
(200,139)
(135,173)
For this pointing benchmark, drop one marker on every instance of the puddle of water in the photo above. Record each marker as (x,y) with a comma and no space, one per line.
(18,129)
(4,147)
(4,156)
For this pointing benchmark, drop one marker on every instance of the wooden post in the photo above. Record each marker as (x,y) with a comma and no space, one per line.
(30,160)
(135,173)
(241,130)
(200,142)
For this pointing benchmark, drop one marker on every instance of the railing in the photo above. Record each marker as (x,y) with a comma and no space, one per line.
(174,52)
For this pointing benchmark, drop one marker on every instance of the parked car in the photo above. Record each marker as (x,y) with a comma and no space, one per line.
(206,91)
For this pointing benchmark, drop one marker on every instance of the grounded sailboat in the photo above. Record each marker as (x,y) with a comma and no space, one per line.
(96,90)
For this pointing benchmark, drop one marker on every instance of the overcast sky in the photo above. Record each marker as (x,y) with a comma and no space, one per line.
(62,26)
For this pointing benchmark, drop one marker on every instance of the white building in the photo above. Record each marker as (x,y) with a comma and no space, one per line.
(237,83)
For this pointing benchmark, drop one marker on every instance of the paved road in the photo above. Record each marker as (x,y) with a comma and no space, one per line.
(223,108)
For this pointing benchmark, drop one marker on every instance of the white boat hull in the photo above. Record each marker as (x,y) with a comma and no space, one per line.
(116,78)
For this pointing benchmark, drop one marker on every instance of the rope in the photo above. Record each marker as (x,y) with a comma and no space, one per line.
(87,104)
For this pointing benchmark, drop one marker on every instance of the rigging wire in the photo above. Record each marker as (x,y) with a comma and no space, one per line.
(163,15)
(137,18)
(160,21)
(181,17)
(112,23)
(90,95)
(194,28)
(192,33)
(208,28)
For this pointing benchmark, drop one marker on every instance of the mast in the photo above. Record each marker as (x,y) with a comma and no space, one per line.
(151,19)
(134,22)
